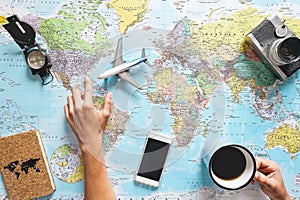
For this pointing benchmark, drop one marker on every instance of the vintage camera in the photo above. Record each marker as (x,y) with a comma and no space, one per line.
(276,45)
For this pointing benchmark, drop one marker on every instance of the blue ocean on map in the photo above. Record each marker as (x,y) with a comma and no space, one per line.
(225,119)
(272,3)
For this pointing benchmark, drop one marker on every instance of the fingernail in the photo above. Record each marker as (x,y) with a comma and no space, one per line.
(109,94)
(256,175)
(87,77)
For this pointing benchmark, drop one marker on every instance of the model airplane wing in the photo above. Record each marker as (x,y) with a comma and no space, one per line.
(125,76)
(118,56)
(121,68)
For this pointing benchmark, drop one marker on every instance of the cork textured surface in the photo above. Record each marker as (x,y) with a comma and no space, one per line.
(24,166)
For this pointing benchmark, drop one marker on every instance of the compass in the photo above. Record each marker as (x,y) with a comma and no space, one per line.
(36,58)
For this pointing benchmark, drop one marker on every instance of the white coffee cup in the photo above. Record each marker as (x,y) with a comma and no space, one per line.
(232,167)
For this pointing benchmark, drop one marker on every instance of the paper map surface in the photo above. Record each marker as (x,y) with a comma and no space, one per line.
(203,80)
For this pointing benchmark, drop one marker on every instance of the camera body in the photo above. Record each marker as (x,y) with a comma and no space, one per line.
(276,45)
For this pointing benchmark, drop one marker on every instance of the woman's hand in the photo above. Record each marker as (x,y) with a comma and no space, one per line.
(86,121)
(269,178)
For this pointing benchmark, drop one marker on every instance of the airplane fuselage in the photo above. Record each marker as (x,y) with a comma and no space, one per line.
(121,68)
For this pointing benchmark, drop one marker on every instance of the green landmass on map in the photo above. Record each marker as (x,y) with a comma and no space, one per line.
(72,24)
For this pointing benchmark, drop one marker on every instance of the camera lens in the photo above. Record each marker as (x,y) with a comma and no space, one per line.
(289,49)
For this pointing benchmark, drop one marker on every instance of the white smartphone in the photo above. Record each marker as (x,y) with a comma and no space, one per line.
(153,160)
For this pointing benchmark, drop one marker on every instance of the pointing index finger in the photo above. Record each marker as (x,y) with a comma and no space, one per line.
(88,97)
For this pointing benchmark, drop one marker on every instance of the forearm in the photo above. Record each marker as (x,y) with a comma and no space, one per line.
(97,183)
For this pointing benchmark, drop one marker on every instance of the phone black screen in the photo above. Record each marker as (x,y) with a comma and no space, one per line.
(153,159)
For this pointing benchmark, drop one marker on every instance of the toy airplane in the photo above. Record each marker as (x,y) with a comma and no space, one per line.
(121,67)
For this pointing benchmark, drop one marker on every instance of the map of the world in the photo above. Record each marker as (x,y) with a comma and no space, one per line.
(203,86)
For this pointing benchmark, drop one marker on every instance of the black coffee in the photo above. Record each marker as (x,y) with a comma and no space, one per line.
(228,163)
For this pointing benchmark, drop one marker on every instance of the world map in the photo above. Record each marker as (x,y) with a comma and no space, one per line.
(204,86)
(25,166)
(66,163)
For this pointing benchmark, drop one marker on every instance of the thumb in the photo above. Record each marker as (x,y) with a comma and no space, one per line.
(263,180)
(104,114)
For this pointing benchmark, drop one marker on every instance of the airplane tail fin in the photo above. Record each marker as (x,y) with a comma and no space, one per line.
(144,56)
(143,53)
